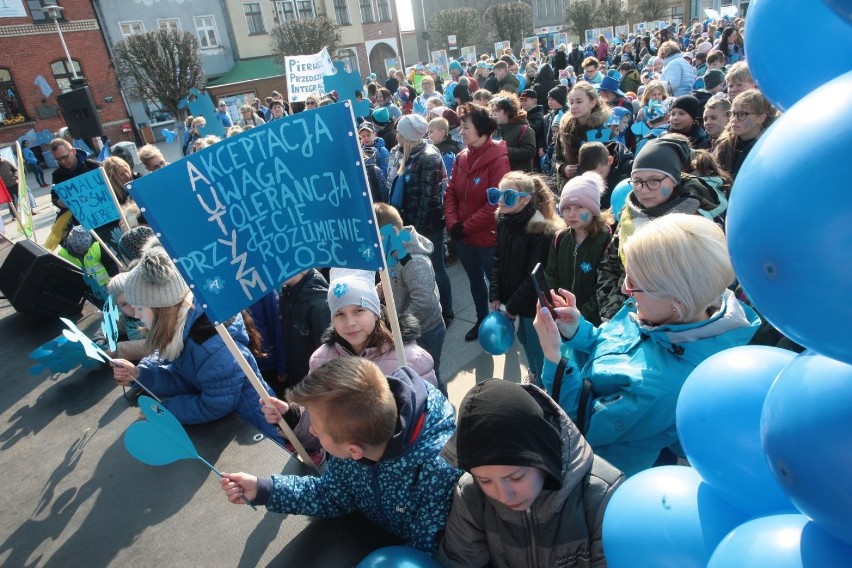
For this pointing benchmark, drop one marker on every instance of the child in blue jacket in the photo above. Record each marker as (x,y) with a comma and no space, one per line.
(190,365)
(383,436)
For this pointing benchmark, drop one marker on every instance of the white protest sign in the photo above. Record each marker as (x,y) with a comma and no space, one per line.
(305,74)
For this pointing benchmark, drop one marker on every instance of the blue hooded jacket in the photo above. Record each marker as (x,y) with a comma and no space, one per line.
(636,373)
(408,492)
(205,383)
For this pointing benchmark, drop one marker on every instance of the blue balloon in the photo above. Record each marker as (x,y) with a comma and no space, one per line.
(496,333)
(718,423)
(780,541)
(765,46)
(398,557)
(619,197)
(666,516)
(792,250)
(805,429)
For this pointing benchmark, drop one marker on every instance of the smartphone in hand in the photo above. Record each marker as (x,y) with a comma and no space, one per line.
(542,291)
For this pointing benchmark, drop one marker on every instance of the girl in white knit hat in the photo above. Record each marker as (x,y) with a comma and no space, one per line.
(190,365)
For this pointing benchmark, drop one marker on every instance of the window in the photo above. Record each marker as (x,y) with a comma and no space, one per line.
(306,8)
(384,10)
(39,15)
(205,27)
(350,59)
(294,10)
(341,12)
(254,18)
(169,24)
(677,14)
(373,11)
(367,12)
(286,11)
(63,75)
(131,28)
(11,109)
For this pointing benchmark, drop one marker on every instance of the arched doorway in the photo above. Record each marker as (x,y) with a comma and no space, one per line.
(378,54)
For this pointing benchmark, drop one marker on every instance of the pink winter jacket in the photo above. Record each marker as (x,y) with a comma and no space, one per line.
(415,356)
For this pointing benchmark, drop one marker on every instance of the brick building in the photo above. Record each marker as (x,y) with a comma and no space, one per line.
(34,69)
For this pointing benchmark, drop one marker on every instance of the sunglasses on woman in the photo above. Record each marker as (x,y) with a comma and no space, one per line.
(508,196)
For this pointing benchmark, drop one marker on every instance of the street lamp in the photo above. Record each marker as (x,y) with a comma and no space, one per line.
(55,12)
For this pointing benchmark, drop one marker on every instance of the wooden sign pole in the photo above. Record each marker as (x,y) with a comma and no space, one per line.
(258,386)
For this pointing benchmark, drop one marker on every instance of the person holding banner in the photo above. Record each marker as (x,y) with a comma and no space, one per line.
(72,162)
(383,433)
(190,365)
(358,329)
(468,214)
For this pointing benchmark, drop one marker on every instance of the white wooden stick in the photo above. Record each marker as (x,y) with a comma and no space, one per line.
(258,386)
(392,315)
(108,250)
(122,221)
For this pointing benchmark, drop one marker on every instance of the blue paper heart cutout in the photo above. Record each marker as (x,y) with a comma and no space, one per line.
(160,439)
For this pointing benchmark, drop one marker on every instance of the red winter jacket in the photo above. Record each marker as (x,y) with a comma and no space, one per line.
(465,201)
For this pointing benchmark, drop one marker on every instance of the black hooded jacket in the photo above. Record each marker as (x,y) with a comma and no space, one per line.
(544,81)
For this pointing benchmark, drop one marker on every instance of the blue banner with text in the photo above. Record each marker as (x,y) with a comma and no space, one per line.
(245,214)
(89,198)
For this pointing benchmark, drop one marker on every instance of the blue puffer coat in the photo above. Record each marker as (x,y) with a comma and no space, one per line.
(636,374)
(408,492)
(679,74)
(205,383)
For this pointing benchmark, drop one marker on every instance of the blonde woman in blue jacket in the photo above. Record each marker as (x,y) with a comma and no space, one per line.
(623,381)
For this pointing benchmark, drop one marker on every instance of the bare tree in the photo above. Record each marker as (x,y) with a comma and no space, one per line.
(512,21)
(160,67)
(611,13)
(580,16)
(463,22)
(651,10)
(304,37)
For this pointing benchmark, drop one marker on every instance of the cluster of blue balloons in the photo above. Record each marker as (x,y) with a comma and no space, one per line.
(767,431)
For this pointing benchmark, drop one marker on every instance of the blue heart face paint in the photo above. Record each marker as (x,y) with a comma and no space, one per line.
(665,191)
(585,216)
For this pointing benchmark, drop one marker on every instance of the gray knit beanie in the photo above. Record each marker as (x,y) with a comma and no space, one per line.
(78,241)
(155,282)
(663,155)
(352,291)
(133,242)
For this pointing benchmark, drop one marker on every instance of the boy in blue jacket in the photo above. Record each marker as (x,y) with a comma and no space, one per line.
(383,436)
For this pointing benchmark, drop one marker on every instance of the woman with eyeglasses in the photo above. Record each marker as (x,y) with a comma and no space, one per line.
(622,385)
(311,102)
(526,224)
(469,216)
(751,114)
(658,188)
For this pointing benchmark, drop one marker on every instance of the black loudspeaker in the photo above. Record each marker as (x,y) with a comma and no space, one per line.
(39,283)
(80,114)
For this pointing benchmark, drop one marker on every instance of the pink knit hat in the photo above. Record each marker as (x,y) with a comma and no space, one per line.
(585,191)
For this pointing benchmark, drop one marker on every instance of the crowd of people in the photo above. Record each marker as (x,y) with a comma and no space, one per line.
(608,166)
